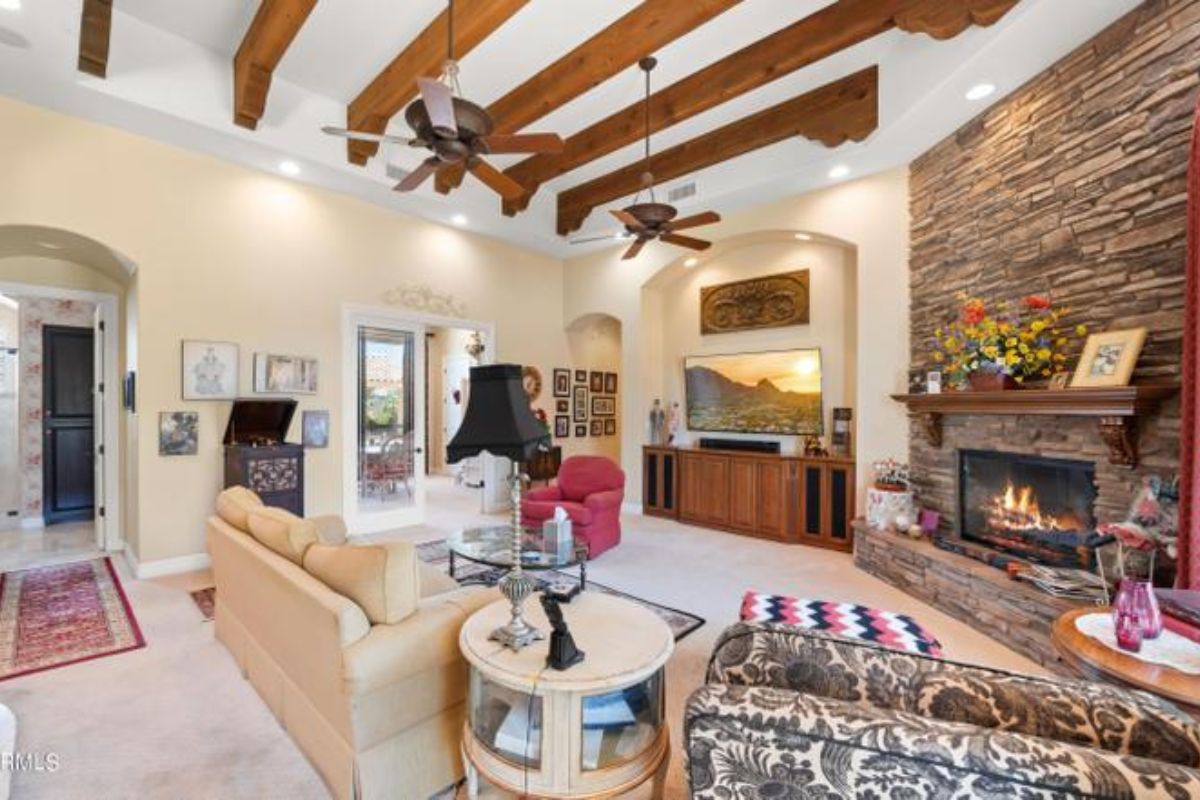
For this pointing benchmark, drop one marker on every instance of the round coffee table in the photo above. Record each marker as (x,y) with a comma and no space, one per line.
(597,729)
(492,546)
(1094,659)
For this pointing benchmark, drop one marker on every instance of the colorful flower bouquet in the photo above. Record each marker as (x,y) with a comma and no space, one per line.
(891,475)
(1002,345)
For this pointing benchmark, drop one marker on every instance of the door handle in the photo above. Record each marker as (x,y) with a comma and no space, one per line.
(419,450)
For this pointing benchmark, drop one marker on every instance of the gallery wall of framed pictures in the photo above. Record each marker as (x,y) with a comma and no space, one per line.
(585,402)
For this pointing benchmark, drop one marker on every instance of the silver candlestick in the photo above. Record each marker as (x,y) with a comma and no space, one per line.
(516,586)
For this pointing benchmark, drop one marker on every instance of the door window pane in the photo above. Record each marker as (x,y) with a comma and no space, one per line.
(386,439)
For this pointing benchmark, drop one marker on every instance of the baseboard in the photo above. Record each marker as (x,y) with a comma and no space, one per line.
(631,508)
(32,523)
(167,566)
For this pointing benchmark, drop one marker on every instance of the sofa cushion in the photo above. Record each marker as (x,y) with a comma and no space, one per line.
(382,578)
(235,504)
(887,628)
(283,532)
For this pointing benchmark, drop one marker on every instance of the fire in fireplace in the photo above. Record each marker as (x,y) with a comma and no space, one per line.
(1029,506)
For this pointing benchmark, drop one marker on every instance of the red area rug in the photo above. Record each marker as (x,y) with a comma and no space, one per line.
(54,616)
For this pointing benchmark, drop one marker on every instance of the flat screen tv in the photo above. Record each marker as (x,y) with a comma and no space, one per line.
(771,392)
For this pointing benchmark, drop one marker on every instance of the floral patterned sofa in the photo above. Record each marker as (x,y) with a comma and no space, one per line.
(790,713)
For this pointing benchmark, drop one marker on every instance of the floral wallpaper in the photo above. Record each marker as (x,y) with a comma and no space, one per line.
(35,313)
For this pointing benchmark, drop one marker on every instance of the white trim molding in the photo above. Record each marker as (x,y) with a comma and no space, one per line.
(166,566)
(631,508)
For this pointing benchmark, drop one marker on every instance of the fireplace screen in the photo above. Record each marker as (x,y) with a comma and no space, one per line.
(1026,505)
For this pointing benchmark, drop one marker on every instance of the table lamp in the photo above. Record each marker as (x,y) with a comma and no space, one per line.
(498,420)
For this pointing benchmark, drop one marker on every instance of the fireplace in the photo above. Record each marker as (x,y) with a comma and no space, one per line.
(1040,509)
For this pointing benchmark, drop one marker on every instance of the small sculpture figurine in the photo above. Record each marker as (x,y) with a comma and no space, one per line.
(658,423)
(563,652)
(672,422)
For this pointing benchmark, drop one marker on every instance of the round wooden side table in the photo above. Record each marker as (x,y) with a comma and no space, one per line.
(1097,660)
(595,730)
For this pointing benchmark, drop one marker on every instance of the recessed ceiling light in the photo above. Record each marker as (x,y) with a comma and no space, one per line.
(691,262)
(459,219)
(49,245)
(803,237)
(840,171)
(10,5)
(290,168)
(980,91)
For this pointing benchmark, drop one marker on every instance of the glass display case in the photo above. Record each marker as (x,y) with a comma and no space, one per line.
(619,726)
(507,722)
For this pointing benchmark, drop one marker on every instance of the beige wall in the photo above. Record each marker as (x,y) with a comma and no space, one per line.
(594,342)
(831,325)
(870,215)
(229,254)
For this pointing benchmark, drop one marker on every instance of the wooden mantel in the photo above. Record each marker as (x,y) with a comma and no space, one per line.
(1116,410)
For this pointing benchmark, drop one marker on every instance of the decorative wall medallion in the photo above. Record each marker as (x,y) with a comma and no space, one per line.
(420,297)
(531,380)
(775,301)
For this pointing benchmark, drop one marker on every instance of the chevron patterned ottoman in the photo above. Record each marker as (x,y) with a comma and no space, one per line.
(849,621)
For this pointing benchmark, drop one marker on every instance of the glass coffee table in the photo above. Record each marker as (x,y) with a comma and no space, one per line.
(492,546)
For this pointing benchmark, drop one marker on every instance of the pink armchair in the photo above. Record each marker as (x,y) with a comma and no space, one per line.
(590,489)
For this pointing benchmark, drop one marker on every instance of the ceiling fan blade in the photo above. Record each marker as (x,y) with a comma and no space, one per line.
(685,241)
(608,237)
(523,143)
(694,221)
(439,105)
(496,180)
(634,249)
(419,175)
(627,219)
(363,136)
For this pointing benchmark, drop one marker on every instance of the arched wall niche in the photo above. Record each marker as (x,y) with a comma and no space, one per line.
(594,343)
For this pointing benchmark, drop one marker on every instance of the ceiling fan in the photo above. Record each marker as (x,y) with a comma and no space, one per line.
(456,132)
(645,222)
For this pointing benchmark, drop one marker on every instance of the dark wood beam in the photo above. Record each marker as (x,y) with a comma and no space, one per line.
(95,29)
(832,29)
(396,85)
(267,39)
(840,111)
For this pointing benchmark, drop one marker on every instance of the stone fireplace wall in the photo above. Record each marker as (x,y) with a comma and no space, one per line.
(1074,186)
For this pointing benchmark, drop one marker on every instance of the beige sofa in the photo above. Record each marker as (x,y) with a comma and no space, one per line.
(367,678)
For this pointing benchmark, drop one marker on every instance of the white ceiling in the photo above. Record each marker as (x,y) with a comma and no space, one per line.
(170,78)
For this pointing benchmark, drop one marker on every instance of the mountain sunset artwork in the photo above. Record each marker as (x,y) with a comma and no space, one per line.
(772,392)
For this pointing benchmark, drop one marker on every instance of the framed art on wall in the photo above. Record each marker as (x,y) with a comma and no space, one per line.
(581,431)
(581,404)
(1109,358)
(597,427)
(562,426)
(178,433)
(562,406)
(596,382)
(581,376)
(562,383)
(610,427)
(610,383)
(314,429)
(209,370)
(604,406)
(278,374)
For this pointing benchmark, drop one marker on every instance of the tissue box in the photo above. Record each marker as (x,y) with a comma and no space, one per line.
(557,537)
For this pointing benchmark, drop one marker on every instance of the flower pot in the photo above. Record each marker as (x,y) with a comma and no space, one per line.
(991,382)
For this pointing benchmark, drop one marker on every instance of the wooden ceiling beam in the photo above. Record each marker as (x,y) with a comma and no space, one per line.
(843,110)
(834,28)
(270,34)
(396,85)
(95,30)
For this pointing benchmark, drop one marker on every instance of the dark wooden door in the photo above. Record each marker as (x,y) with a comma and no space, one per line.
(743,493)
(68,417)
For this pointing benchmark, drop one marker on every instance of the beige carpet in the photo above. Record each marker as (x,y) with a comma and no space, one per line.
(176,720)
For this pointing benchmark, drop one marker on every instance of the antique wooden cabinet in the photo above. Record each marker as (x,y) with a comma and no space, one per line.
(258,457)
(792,499)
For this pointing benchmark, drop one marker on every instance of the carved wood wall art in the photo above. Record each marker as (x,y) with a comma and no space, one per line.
(775,301)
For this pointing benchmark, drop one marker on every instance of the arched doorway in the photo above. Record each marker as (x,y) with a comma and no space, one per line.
(594,345)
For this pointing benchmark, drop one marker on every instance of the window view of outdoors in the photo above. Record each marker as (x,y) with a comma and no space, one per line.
(386,458)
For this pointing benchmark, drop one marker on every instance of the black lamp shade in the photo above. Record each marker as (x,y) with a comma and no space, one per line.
(498,419)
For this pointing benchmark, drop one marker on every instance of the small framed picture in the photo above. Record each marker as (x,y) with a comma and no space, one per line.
(562,406)
(603,406)
(209,370)
(580,404)
(1060,381)
(178,433)
(581,376)
(581,431)
(562,426)
(1109,358)
(610,427)
(314,429)
(596,382)
(597,427)
(839,441)
(276,374)
(933,382)
(610,383)
(562,383)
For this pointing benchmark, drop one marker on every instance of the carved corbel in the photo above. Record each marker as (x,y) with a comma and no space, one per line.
(931,424)
(1120,437)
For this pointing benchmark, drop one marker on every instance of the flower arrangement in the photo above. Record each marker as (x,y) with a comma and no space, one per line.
(1020,341)
(542,418)
(891,475)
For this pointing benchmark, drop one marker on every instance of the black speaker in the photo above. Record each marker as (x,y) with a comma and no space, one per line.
(741,445)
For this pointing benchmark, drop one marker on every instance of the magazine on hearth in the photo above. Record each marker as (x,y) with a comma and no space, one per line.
(1182,604)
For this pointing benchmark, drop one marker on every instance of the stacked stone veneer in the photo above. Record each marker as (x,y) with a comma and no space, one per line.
(1075,187)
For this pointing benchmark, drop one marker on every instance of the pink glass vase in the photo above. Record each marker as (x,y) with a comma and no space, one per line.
(1129,631)
(1145,605)
(1122,603)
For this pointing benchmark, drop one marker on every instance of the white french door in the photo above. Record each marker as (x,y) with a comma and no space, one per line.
(383,421)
